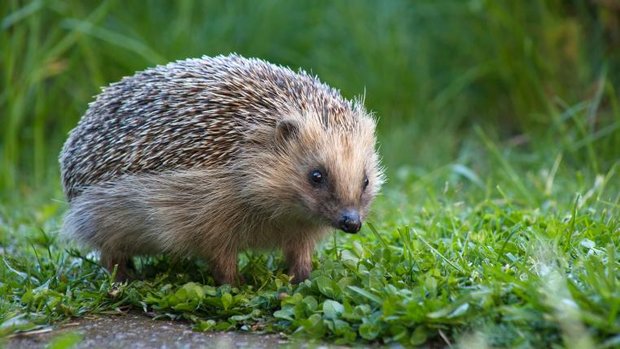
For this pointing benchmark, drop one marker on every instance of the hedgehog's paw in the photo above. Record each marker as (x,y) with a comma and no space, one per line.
(224,269)
(121,264)
(299,259)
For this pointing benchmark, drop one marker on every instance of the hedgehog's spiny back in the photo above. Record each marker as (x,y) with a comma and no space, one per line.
(187,114)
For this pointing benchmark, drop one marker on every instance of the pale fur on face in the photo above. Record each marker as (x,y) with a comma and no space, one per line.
(343,151)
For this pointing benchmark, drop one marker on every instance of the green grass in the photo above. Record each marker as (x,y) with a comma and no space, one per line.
(499,127)
(528,261)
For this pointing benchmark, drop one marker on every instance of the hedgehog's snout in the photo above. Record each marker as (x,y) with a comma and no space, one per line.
(350,221)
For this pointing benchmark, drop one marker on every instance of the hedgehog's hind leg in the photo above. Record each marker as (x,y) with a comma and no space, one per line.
(123,264)
(115,220)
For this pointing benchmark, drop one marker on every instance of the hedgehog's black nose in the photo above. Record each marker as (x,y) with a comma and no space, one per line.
(350,221)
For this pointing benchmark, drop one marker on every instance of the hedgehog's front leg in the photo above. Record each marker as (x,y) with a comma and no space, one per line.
(298,254)
(224,268)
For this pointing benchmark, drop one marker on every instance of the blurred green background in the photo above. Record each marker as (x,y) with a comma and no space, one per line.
(538,78)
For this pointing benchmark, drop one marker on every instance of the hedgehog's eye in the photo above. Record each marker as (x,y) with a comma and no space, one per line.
(316,177)
(365,182)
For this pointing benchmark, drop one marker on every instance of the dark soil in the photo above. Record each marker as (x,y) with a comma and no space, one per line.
(138,331)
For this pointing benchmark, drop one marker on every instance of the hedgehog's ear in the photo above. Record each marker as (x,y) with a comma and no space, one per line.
(286,129)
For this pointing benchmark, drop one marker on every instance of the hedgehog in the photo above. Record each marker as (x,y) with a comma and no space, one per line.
(209,157)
